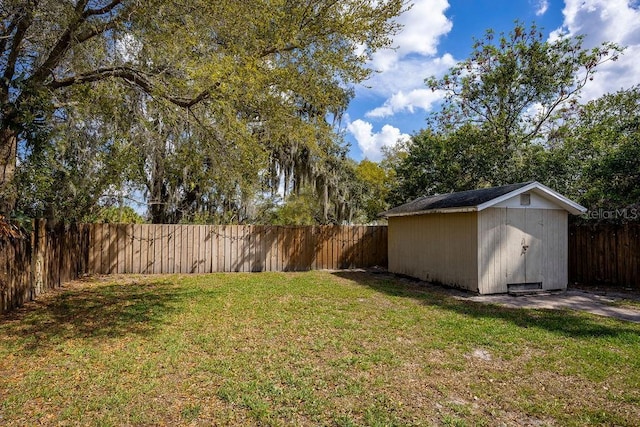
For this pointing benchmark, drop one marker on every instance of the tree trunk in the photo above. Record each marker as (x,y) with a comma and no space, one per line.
(325,202)
(158,207)
(8,152)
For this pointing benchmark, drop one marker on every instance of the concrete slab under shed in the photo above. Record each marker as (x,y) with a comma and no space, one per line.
(601,305)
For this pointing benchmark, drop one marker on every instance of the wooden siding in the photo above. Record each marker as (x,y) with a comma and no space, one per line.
(492,252)
(436,247)
(155,249)
(555,255)
(501,260)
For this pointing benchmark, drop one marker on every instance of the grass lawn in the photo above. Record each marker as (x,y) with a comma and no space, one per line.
(314,348)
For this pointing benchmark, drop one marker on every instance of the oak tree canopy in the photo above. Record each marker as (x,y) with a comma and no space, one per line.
(195,101)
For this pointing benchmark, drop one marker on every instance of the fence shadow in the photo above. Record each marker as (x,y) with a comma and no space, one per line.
(565,323)
(94,313)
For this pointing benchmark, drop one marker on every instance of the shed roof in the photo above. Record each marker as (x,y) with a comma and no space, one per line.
(477,200)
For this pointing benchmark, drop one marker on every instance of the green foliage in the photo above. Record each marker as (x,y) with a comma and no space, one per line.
(505,119)
(513,84)
(597,151)
(211,95)
(435,163)
(298,209)
(324,170)
(118,215)
(375,182)
(353,193)
(67,170)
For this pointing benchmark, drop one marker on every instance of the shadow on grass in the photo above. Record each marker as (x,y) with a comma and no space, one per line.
(96,312)
(561,322)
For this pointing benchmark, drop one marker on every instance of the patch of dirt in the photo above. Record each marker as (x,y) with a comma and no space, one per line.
(481,354)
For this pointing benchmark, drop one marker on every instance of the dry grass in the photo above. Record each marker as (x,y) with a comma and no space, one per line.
(313,348)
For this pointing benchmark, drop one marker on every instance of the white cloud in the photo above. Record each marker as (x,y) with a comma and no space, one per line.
(409,74)
(404,87)
(401,75)
(371,143)
(401,102)
(423,25)
(542,7)
(400,72)
(611,21)
(603,20)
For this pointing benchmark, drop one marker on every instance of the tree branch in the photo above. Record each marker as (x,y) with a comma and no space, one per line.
(67,39)
(101,11)
(271,50)
(133,76)
(63,43)
(24,22)
(92,32)
(6,35)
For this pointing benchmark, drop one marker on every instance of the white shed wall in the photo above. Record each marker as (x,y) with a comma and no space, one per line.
(555,249)
(492,252)
(436,247)
(499,248)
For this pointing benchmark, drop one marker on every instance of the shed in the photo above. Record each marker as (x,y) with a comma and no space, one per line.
(495,240)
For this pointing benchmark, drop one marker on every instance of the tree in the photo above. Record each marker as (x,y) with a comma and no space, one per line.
(245,63)
(118,215)
(436,163)
(502,108)
(298,209)
(374,183)
(512,86)
(77,163)
(189,168)
(599,150)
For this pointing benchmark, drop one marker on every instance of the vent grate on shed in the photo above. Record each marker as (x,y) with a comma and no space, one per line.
(524,288)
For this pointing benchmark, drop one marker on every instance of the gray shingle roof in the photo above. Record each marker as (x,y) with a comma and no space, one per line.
(454,200)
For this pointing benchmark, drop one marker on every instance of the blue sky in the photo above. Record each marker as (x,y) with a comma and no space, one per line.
(395,102)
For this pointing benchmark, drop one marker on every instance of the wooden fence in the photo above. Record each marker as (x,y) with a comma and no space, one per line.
(44,260)
(147,249)
(605,254)
(601,254)
(48,258)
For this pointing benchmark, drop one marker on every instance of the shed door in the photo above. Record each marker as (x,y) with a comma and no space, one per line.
(524,246)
